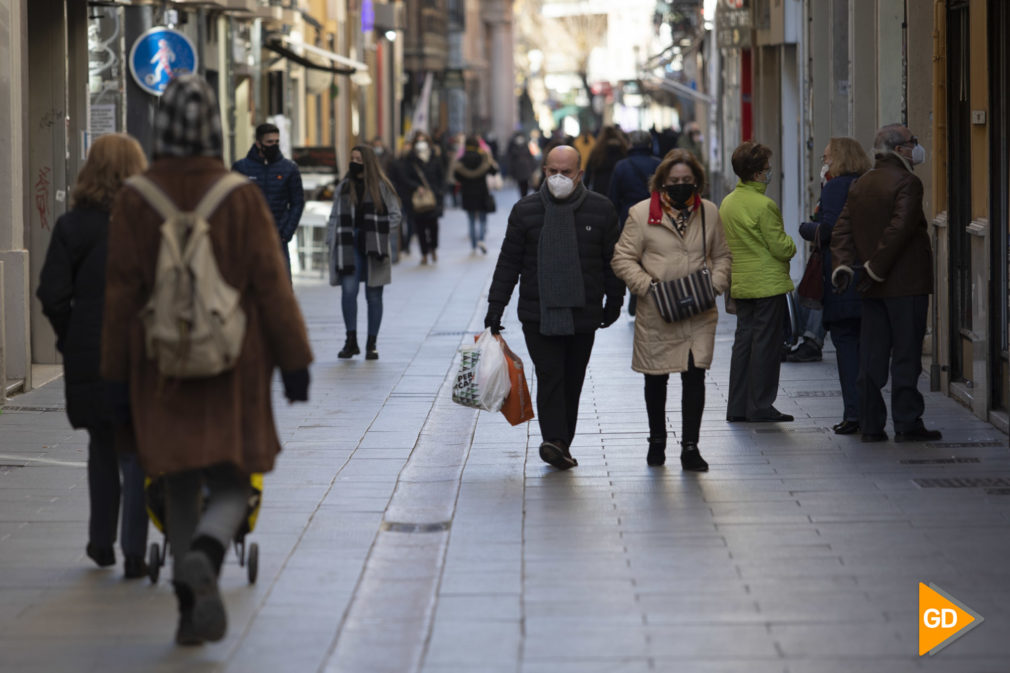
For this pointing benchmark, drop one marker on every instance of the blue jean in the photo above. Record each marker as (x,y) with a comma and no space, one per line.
(349,283)
(474,216)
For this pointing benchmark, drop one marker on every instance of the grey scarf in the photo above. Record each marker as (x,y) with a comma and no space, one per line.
(559,269)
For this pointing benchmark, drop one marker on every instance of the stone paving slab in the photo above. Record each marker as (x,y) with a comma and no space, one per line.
(799,551)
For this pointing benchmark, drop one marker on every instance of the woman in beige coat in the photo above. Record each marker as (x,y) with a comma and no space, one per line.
(663,240)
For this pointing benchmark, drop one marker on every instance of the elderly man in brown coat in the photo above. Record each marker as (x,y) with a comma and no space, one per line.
(883,227)
(202,433)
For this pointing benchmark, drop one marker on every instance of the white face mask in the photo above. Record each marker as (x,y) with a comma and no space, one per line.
(825,168)
(423,151)
(918,154)
(767,176)
(560,186)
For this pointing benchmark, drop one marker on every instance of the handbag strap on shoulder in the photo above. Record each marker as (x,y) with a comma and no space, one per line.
(420,174)
(704,237)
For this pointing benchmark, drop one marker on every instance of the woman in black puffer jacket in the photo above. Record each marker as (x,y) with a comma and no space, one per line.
(471,172)
(72,292)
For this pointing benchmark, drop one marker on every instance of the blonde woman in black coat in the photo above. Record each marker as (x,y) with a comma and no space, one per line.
(72,292)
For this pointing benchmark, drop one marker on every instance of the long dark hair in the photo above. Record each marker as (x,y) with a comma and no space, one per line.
(373,176)
(609,136)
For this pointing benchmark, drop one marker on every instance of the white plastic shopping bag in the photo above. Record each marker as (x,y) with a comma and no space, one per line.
(482,381)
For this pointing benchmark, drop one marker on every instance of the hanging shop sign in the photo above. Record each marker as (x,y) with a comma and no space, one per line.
(159,55)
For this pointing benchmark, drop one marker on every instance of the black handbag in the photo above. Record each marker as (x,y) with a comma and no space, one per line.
(491,205)
(681,298)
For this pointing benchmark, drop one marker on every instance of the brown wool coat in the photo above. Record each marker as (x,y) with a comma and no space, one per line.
(184,425)
(646,252)
(882,224)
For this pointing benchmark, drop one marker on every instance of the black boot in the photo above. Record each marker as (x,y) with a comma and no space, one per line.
(690,458)
(370,352)
(350,346)
(657,451)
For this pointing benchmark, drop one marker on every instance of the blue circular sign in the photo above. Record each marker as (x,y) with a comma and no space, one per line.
(159,55)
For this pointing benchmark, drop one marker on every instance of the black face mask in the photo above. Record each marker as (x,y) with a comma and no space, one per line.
(680,195)
(356,170)
(271,152)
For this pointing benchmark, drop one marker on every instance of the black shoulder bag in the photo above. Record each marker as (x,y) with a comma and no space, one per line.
(681,298)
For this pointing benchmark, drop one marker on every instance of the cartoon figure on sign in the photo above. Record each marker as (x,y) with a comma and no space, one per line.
(159,56)
(164,57)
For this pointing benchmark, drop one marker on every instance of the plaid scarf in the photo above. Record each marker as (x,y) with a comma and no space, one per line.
(374,231)
(188,122)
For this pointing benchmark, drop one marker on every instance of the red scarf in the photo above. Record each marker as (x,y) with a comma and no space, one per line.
(656,207)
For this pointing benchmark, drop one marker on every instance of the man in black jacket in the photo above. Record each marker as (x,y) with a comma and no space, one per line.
(280,181)
(558,247)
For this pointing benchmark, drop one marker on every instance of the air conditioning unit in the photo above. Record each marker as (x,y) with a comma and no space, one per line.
(389,16)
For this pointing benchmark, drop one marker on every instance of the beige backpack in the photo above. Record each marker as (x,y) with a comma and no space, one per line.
(194,324)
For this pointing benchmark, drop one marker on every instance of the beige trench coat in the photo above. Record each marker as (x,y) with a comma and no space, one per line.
(657,252)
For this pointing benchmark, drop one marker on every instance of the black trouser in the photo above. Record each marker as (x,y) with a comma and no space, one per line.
(524,187)
(427,233)
(845,336)
(560,363)
(757,353)
(104,490)
(692,402)
(891,336)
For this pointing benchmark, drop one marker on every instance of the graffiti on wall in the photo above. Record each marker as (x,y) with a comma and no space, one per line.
(42,195)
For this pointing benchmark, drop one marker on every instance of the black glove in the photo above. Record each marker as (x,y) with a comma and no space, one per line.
(296,385)
(493,318)
(611,312)
(841,279)
(863,286)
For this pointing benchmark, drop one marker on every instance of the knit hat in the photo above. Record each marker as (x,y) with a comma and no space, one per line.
(188,121)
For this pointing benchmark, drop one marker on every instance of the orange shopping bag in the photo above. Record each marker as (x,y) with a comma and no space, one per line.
(518,407)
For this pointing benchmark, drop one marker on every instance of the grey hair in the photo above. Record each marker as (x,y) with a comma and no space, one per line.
(640,139)
(888,137)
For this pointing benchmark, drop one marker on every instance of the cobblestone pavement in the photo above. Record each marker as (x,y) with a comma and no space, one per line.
(403,533)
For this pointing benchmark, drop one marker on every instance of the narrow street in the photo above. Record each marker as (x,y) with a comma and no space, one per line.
(401,533)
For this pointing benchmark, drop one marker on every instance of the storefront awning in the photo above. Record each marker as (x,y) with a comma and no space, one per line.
(676,87)
(279,48)
(325,53)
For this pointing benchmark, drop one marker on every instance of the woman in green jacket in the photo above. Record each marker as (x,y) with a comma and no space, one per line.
(761,253)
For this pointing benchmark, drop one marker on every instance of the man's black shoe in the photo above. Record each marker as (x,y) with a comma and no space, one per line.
(846,428)
(775,417)
(555,454)
(736,419)
(918,435)
(869,437)
(806,352)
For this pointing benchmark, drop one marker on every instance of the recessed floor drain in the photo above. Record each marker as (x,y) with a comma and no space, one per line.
(4,469)
(963,445)
(816,393)
(798,431)
(448,334)
(963,482)
(938,461)
(997,491)
(398,527)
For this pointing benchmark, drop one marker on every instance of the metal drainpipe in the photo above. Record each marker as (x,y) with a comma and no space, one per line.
(939,138)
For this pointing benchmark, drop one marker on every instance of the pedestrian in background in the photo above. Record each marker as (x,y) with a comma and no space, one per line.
(673,235)
(610,147)
(761,252)
(521,163)
(280,181)
(471,172)
(202,434)
(883,225)
(72,292)
(843,162)
(364,219)
(423,169)
(558,248)
(630,183)
(584,144)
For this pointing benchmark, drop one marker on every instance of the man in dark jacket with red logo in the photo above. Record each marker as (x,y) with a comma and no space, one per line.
(883,227)
(558,248)
(280,181)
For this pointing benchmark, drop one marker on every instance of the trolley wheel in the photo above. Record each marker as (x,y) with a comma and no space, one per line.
(253,564)
(154,562)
